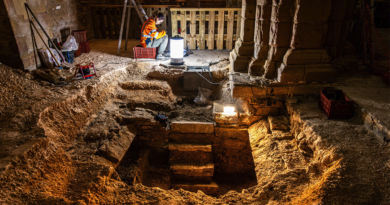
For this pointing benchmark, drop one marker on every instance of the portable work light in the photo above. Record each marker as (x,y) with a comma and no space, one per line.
(177,51)
(228,110)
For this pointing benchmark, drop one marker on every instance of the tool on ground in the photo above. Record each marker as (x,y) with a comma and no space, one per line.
(86,71)
(141,14)
(161,118)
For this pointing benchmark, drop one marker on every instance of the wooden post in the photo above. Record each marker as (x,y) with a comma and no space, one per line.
(174,23)
(183,25)
(229,38)
(210,41)
(95,23)
(122,24)
(109,22)
(202,29)
(164,23)
(116,27)
(221,24)
(193,30)
(238,29)
(102,23)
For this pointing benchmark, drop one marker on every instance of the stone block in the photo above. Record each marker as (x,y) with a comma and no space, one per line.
(348,49)
(270,69)
(224,118)
(307,56)
(192,80)
(266,111)
(281,135)
(248,11)
(116,148)
(241,64)
(260,128)
(264,2)
(248,120)
(278,123)
(230,133)
(193,170)
(261,50)
(190,153)
(333,33)
(307,36)
(282,12)
(262,28)
(185,137)
(276,53)
(280,34)
(339,8)
(291,73)
(192,127)
(263,12)
(210,189)
(309,11)
(245,50)
(319,73)
(256,67)
(332,51)
(247,29)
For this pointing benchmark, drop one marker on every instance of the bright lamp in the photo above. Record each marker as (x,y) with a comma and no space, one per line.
(177,50)
(228,110)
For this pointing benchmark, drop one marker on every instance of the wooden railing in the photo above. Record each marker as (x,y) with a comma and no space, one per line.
(106,20)
(207,28)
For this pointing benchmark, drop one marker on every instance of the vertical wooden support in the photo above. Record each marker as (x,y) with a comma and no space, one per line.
(102,23)
(221,24)
(210,41)
(229,39)
(193,30)
(95,22)
(164,23)
(202,29)
(109,22)
(174,23)
(116,21)
(238,28)
(183,26)
(127,29)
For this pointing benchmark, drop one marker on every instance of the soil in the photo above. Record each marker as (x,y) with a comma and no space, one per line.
(326,162)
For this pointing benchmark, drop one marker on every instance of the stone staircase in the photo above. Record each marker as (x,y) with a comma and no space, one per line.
(191,163)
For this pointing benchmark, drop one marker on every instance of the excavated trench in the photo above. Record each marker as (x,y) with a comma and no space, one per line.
(103,145)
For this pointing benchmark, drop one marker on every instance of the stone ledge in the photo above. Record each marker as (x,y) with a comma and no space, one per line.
(189,147)
(192,127)
(193,170)
(211,189)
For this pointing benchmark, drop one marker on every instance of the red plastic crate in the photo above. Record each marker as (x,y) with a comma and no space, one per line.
(336,105)
(84,47)
(80,35)
(141,52)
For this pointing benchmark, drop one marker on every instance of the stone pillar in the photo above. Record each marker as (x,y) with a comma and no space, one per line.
(243,51)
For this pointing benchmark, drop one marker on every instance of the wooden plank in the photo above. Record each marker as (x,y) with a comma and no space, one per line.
(109,22)
(96,27)
(102,23)
(164,23)
(202,30)
(116,21)
(215,37)
(144,6)
(183,26)
(221,24)
(174,23)
(206,9)
(193,30)
(229,41)
(197,18)
(211,37)
(238,28)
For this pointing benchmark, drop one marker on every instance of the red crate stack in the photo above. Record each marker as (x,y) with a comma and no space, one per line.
(336,105)
(81,39)
(141,52)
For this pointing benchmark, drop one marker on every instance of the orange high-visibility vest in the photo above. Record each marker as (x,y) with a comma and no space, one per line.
(149,31)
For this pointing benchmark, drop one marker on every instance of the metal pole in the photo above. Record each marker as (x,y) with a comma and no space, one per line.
(122,24)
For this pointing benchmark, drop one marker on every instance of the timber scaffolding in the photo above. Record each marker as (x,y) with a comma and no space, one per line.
(196,25)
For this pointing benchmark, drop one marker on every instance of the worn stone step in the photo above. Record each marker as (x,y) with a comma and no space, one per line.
(192,172)
(190,137)
(192,127)
(199,153)
(207,188)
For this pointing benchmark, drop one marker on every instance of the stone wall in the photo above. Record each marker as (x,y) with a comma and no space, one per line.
(53,15)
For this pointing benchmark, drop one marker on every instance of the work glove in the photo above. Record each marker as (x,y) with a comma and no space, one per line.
(160,34)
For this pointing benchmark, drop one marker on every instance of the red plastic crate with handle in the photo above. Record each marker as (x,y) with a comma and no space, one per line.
(80,35)
(336,105)
(141,52)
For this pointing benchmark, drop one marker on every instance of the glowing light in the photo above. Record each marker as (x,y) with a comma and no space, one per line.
(228,110)
(177,47)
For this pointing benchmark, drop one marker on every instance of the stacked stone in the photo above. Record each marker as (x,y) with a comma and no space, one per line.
(307,61)
(261,37)
(243,51)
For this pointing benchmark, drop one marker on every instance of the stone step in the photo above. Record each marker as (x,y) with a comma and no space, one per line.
(198,153)
(192,127)
(194,173)
(190,137)
(207,188)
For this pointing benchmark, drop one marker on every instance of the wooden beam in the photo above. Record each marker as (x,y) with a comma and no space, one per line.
(229,41)
(210,42)
(183,27)
(193,30)
(221,24)
(174,23)
(236,17)
(202,30)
